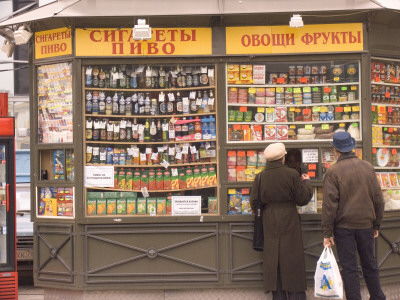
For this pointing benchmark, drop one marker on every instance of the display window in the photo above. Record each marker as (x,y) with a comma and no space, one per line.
(152,131)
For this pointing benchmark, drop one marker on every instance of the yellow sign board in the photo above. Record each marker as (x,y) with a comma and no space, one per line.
(55,42)
(284,39)
(164,42)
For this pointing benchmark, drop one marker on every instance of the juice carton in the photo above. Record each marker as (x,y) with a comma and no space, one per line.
(101,206)
(212,175)
(136,180)
(196,177)
(91,206)
(174,179)
(151,180)
(129,179)
(161,206)
(131,206)
(204,176)
(121,206)
(141,206)
(144,180)
(189,178)
(115,178)
(122,179)
(151,206)
(159,180)
(167,180)
(111,206)
(182,179)
(212,205)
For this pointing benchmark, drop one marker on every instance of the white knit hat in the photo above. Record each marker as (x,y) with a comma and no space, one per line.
(274,151)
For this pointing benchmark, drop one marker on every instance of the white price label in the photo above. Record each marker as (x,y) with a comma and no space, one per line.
(174,172)
(185,150)
(165,164)
(145,193)
(154,156)
(178,155)
(135,152)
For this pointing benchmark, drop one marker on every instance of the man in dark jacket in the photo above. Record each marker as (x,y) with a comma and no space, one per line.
(352,211)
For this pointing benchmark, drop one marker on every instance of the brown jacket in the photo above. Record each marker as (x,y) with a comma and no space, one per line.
(281,190)
(352,197)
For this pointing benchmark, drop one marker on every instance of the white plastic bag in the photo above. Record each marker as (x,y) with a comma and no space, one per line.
(327,280)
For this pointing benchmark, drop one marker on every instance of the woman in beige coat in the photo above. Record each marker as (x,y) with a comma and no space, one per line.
(281,189)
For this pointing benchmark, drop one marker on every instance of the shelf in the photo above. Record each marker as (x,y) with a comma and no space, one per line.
(147,143)
(387,168)
(153,191)
(294,123)
(147,216)
(293,105)
(291,85)
(386,146)
(281,141)
(150,116)
(385,125)
(200,87)
(156,166)
(390,188)
(385,104)
(384,83)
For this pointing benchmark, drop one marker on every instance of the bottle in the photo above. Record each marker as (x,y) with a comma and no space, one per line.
(113,77)
(185,105)
(148,77)
(185,128)
(191,131)
(135,106)
(212,128)
(116,131)
(89,129)
(197,128)
(109,105)
(204,76)
(178,130)
(181,78)
(171,131)
(110,130)
(162,104)
(88,106)
(103,129)
(122,130)
(161,78)
(153,131)
(170,104)
(115,107)
(171,154)
(135,133)
(193,105)
(128,106)
(196,77)
(128,130)
(122,77)
(208,153)
(102,77)
(133,79)
(102,104)
(96,129)
(95,74)
(107,80)
(204,104)
(179,103)
(204,129)
(147,104)
(189,78)
(141,133)
(89,76)
(95,103)
(159,131)
(141,104)
(199,102)
(122,105)
(165,129)
(154,79)
(147,131)
(202,152)
(154,107)
(211,102)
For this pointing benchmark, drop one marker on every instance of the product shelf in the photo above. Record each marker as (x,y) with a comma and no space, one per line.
(200,87)
(294,105)
(152,191)
(385,104)
(147,143)
(150,116)
(295,123)
(157,165)
(385,125)
(385,83)
(291,85)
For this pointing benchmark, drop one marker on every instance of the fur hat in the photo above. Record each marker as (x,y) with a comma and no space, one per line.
(274,151)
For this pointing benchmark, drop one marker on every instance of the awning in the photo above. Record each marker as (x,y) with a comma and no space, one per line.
(148,8)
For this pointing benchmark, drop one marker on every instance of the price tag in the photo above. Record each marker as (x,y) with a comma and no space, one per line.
(178,155)
(145,193)
(251,153)
(339,109)
(211,101)
(243,109)
(171,151)
(165,164)
(374,150)
(390,109)
(149,151)
(192,95)
(303,79)
(353,88)
(247,171)
(306,111)
(343,88)
(396,80)
(297,90)
(373,108)
(308,127)
(231,191)
(382,109)
(311,174)
(252,90)
(260,109)
(270,110)
(193,150)
(312,166)
(292,126)
(199,101)
(377,79)
(336,79)
(323,109)
(387,95)
(280,90)
(134,152)
(394,151)
(154,156)
(174,172)
(315,89)
(327,89)
(185,149)
(161,97)
(325,126)
(292,109)
(356,108)
(306,89)
(390,129)
(280,80)
(347,109)
(354,124)
(231,153)
(160,149)
(316,109)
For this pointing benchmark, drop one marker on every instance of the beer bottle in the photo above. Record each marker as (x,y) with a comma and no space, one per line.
(153,131)
(189,78)
(179,103)
(171,131)
(170,104)
(135,106)
(115,107)
(128,130)
(159,131)
(122,130)
(147,131)
(148,77)
(165,129)
(88,106)
(185,128)
(128,106)
(95,74)
(102,77)
(102,104)
(113,77)
(135,133)
(122,105)
(162,104)
(109,105)
(141,103)
(147,104)
(161,78)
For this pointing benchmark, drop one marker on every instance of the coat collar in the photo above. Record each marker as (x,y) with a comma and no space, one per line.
(350,154)
(275,164)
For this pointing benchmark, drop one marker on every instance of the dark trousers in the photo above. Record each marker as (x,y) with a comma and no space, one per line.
(348,243)
(283,295)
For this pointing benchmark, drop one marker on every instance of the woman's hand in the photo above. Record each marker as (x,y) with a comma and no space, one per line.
(305,177)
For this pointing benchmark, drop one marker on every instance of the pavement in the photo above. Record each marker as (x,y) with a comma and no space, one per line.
(29,292)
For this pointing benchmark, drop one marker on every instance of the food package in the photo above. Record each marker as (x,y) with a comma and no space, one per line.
(233,74)
(269,132)
(259,74)
(319,130)
(280,114)
(303,131)
(282,132)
